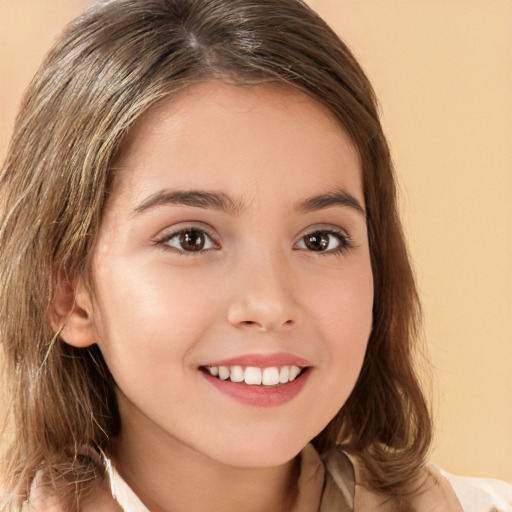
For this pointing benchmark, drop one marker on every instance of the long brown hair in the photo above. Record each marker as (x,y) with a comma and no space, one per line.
(109,67)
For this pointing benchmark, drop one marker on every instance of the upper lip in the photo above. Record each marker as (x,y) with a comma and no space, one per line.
(262,360)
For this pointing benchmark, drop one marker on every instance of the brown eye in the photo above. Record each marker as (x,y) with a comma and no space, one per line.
(318,241)
(327,241)
(189,240)
(192,240)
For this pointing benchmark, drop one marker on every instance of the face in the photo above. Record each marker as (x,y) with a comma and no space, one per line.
(232,282)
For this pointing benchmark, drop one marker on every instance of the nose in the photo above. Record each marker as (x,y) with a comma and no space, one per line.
(263,298)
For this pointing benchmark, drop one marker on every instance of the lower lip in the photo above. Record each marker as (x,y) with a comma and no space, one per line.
(260,396)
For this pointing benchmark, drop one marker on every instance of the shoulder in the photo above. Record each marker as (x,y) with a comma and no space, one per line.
(440,491)
(43,499)
(480,494)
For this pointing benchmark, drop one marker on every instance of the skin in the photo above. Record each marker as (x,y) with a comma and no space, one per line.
(159,312)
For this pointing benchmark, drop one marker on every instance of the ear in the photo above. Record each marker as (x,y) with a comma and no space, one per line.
(71,314)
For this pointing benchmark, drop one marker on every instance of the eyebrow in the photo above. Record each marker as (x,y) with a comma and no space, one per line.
(194,198)
(223,202)
(337,197)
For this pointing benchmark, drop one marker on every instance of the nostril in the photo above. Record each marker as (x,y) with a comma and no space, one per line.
(265,327)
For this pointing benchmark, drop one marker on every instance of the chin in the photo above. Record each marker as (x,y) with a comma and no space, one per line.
(270,451)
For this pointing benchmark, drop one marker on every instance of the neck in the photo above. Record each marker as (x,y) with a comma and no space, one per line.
(169,476)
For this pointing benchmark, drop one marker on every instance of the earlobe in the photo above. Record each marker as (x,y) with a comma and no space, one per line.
(71,314)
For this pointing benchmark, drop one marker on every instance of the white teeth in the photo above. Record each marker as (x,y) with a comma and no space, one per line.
(294,371)
(237,374)
(270,377)
(254,376)
(223,372)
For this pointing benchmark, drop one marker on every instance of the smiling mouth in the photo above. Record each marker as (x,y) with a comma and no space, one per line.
(254,376)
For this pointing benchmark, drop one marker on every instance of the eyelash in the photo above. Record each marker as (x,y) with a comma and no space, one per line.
(345,243)
(164,240)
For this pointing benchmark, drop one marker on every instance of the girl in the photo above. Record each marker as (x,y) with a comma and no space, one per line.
(206,300)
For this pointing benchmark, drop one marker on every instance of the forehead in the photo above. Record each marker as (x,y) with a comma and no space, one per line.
(220,135)
(239,101)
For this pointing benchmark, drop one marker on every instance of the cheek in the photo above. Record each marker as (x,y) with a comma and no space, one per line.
(344,302)
(340,305)
(343,310)
(148,316)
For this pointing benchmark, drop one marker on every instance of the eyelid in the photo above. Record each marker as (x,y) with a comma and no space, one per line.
(346,242)
(329,228)
(169,233)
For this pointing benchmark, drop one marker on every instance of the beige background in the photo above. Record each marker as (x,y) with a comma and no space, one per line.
(443,72)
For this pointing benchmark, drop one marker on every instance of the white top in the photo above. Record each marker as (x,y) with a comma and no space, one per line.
(481,494)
